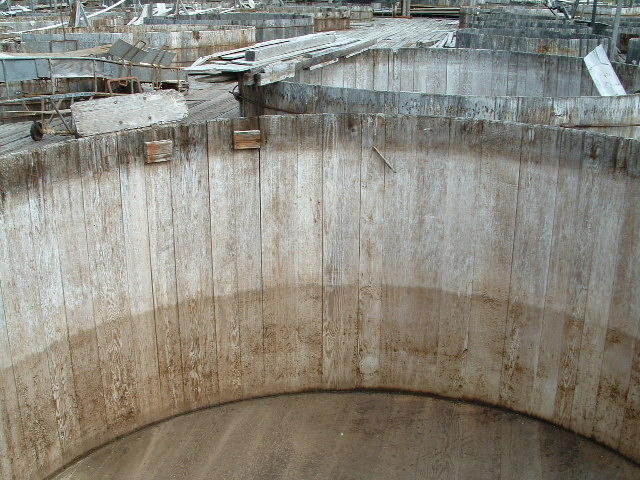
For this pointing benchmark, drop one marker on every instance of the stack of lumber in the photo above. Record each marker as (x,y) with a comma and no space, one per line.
(275,60)
(419,11)
(434,11)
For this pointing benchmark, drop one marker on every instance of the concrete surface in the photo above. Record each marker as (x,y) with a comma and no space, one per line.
(355,436)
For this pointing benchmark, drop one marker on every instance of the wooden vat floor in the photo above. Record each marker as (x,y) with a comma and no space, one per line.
(355,435)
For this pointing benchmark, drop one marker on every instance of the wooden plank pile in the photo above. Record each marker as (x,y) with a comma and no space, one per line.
(434,11)
(275,60)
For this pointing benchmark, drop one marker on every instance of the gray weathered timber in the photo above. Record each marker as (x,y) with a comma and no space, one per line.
(618,115)
(288,47)
(126,112)
(269,26)
(485,73)
(188,42)
(570,44)
(326,18)
(132,292)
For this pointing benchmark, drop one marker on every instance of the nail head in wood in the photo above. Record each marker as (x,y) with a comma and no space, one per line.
(158,151)
(245,139)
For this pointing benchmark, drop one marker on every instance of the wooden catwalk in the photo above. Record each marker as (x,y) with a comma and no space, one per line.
(357,435)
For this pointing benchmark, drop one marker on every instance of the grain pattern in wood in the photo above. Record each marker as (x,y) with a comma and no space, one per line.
(40,445)
(194,276)
(535,208)
(69,218)
(371,258)
(456,265)
(235,206)
(159,201)
(131,153)
(51,296)
(109,283)
(496,199)
(341,162)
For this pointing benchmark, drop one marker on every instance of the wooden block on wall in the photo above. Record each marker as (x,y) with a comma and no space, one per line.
(245,139)
(158,151)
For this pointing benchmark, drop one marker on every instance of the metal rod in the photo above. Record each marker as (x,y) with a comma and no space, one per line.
(61,117)
(384,159)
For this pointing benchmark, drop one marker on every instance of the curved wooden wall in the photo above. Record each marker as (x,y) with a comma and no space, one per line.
(269,26)
(189,42)
(459,71)
(485,261)
(611,115)
(533,41)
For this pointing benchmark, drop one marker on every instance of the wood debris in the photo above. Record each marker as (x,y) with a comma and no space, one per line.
(274,60)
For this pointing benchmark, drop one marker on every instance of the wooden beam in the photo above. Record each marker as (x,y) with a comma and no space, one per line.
(158,151)
(128,111)
(303,43)
(246,139)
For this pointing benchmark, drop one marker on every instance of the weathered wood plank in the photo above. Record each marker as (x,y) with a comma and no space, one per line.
(622,326)
(401,327)
(370,271)
(568,279)
(124,112)
(348,66)
(341,156)
(278,173)
(380,69)
(395,73)
(496,199)
(310,204)
(364,74)
(51,294)
(629,443)
(158,151)
(131,153)
(246,139)
(606,232)
(536,201)
(291,46)
(109,282)
(224,248)
(291,223)
(160,223)
(463,171)
(235,206)
(193,261)
(23,317)
(15,458)
(69,217)
(407,70)
(414,197)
